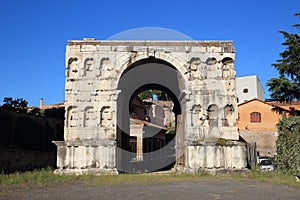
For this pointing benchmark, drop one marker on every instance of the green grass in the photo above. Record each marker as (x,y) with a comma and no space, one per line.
(33,177)
(274,177)
(46,176)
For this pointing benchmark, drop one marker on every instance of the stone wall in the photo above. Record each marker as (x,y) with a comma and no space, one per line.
(12,160)
(26,140)
(217,157)
(24,131)
(265,141)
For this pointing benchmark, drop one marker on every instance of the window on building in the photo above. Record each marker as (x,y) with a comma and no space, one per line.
(255,117)
(245,90)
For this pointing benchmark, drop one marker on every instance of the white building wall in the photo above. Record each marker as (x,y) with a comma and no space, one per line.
(260,90)
(249,87)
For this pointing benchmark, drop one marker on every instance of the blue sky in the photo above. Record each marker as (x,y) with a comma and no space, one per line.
(34,34)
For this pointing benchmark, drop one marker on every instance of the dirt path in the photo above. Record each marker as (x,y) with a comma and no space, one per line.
(201,188)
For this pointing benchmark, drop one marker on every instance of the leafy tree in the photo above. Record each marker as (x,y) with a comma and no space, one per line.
(147,94)
(287,87)
(7,102)
(297,25)
(288,145)
(14,104)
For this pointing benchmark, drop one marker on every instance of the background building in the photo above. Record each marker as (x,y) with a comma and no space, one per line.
(249,87)
(257,123)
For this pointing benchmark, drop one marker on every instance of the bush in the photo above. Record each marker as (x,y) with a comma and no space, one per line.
(288,145)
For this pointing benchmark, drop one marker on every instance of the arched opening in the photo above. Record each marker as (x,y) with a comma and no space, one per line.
(153,111)
(145,142)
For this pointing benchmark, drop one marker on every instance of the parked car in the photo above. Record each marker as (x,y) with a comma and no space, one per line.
(266,165)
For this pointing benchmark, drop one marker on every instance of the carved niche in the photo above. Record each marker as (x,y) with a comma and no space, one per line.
(196,118)
(106,116)
(104,64)
(72,69)
(211,61)
(88,67)
(227,69)
(89,119)
(193,69)
(213,112)
(72,116)
(229,117)
(106,69)
(211,70)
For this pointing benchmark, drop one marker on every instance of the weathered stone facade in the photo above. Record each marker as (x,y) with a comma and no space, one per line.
(101,77)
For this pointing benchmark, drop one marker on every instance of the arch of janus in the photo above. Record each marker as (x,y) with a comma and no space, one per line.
(206,134)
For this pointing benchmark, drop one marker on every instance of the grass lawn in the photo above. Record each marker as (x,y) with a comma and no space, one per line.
(46,176)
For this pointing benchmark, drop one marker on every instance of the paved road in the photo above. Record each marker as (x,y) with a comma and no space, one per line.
(202,188)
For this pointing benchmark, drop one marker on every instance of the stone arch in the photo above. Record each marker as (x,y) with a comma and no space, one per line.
(155,71)
(178,63)
(92,89)
(148,60)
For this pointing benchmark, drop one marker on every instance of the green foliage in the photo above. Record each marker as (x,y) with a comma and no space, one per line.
(147,94)
(15,104)
(297,25)
(288,145)
(287,86)
(38,177)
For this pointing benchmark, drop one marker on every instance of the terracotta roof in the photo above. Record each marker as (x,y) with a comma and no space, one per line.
(287,105)
(268,103)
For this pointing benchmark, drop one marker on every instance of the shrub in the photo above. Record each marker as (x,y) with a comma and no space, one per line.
(288,144)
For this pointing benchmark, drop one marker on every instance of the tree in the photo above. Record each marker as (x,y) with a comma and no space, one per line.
(288,145)
(287,87)
(147,94)
(297,25)
(14,104)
